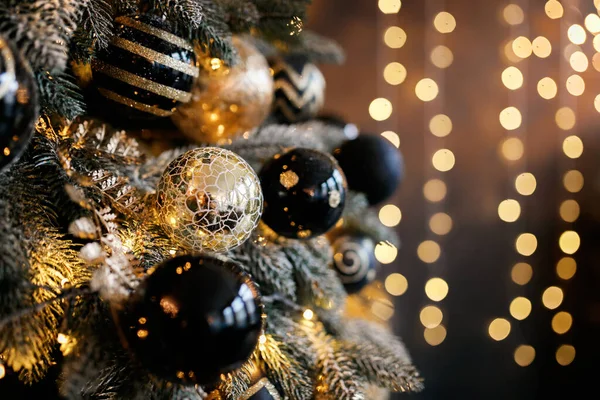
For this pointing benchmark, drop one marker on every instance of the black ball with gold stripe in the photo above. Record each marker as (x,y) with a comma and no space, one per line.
(18,103)
(354,261)
(145,72)
(299,89)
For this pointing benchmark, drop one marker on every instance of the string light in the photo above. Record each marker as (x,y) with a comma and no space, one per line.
(429,251)
(389,6)
(308,314)
(579,61)
(566,268)
(509,210)
(521,273)
(442,57)
(380,109)
(390,215)
(576,34)
(513,14)
(524,355)
(394,37)
(565,118)
(526,244)
(569,210)
(394,73)
(554,9)
(565,354)
(562,322)
(573,181)
(552,297)
(499,329)
(444,22)
(569,242)
(396,284)
(520,308)
(426,89)
(547,88)
(510,118)
(392,137)
(512,149)
(440,125)
(541,47)
(440,224)
(525,184)
(434,190)
(522,47)
(386,252)
(435,336)
(573,147)
(431,317)
(575,85)
(436,289)
(443,160)
(512,78)
(596,61)
(592,23)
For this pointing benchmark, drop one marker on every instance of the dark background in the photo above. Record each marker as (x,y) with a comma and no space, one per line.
(478,254)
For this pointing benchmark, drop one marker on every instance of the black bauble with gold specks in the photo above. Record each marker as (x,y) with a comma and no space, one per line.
(18,103)
(372,165)
(299,89)
(304,193)
(145,72)
(192,319)
(354,261)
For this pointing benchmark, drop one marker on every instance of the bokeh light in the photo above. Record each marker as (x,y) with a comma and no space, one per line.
(441,57)
(513,14)
(443,160)
(394,37)
(509,210)
(547,88)
(569,210)
(573,181)
(552,297)
(389,6)
(520,308)
(386,252)
(510,118)
(431,316)
(426,89)
(512,149)
(575,85)
(596,61)
(380,109)
(562,322)
(390,215)
(444,22)
(440,125)
(541,47)
(525,184)
(565,354)
(566,268)
(510,54)
(576,34)
(512,78)
(524,355)
(521,273)
(435,336)
(526,244)
(429,251)
(436,289)
(592,23)
(569,242)
(440,224)
(596,43)
(394,73)
(522,47)
(597,101)
(392,137)
(434,190)
(573,146)
(554,9)
(499,329)
(565,118)
(579,61)
(396,284)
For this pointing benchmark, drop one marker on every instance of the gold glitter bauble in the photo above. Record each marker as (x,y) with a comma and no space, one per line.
(209,199)
(227,101)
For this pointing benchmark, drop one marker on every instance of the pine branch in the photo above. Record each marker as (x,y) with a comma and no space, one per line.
(187,14)
(241,15)
(41,29)
(237,382)
(97,23)
(281,19)
(59,94)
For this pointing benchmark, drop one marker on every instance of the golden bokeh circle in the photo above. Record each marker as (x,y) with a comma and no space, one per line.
(569,210)
(443,160)
(525,184)
(380,109)
(573,181)
(441,57)
(522,47)
(509,210)
(579,61)
(562,322)
(512,78)
(552,297)
(499,329)
(440,224)
(573,147)
(526,244)
(394,37)
(565,355)
(541,47)
(389,6)
(576,34)
(575,85)
(440,125)
(390,215)
(510,118)
(426,89)
(386,252)
(394,73)
(435,336)
(547,88)
(429,251)
(431,317)
(434,190)
(569,242)
(436,289)
(520,308)
(444,22)
(513,14)
(521,273)
(524,355)
(512,149)
(566,268)
(565,118)
(396,284)
(554,9)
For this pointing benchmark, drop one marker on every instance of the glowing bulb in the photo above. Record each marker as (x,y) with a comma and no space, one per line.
(396,284)
(541,47)
(596,61)
(521,273)
(435,336)
(434,190)
(499,329)
(513,14)
(440,224)
(573,181)
(579,61)
(561,323)
(566,268)
(429,251)
(386,252)
(524,355)
(442,57)
(426,89)
(597,102)
(512,78)
(444,22)
(262,339)
(431,316)
(520,308)
(440,125)
(565,355)
(390,215)
(525,184)
(308,314)
(436,289)
(380,109)
(392,137)
(443,160)
(576,34)
(547,88)
(522,47)
(552,297)
(573,147)
(394,73)
(510,118)
(575,85)
(592,23)
(569,242)
(526,244)
(509,210)
(554,9)
(394,37)
(569,210)
(565,118)
(389,6)
(512,149)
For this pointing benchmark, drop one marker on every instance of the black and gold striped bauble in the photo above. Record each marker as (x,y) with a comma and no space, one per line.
(18,103)
(354,261)
(145,72)
(261,390)
(299,89)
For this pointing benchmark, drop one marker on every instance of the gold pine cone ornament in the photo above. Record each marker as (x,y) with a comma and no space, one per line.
(227,101)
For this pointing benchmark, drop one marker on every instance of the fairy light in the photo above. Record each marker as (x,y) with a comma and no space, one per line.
(552,297)
(509,210)
(526,244)
(392,137)
(575,85)
(499,329)
(554,9)
(396,284)
(426,89)
(510,118)
(386,252)
(521,273)
(512,78)
(547,88)
(566,268)
(390,215)
(565,355)
(394,73)
(579,61)
(380,109)
(541,47)
(576,34)
(308,314)
(525,184)
(520,308)
(389,6)
(394,37)
(513,14)
(2,371)
(562,322)
(522,47)
(524,355)
(592,23)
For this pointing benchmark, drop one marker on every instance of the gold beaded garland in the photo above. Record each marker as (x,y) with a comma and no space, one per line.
(209,199)
(227,101)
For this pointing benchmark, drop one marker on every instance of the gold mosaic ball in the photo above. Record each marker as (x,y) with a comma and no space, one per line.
(209,199)
(227,101)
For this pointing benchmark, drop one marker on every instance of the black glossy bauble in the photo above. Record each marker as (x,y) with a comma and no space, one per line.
(304,193)
(299,89)
(18,103)
(354,261)
(193,319)
(145,72)
(372,165)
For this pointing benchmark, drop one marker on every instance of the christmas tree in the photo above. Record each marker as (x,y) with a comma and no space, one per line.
(177,219)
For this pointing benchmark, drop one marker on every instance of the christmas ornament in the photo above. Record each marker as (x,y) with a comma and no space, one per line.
(260,389)
(299,89)
(304,193)
(192,319)
(145,72)
(354,261)
(372,165)
(209,199)
(18,103)
(227,101)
